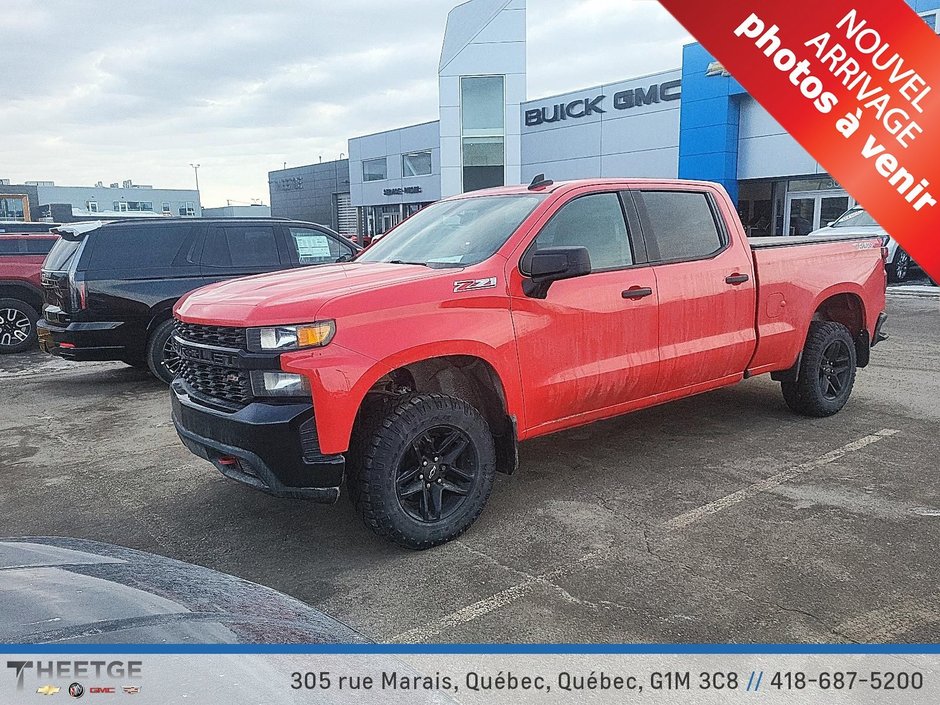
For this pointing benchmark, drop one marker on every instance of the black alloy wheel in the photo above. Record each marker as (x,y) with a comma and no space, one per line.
(835,369)
(162,358)
(171,358)
(421,468)
(436,474)
(826,373)
(902,266)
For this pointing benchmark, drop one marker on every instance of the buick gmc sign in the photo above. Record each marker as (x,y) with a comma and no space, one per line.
(622,100)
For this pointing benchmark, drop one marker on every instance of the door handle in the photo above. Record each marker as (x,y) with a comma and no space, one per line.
(737,279)
(637,293)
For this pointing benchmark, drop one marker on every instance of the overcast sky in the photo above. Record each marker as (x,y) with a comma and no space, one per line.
(137,90)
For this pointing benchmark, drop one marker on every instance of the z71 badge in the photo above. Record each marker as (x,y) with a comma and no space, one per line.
(474,284)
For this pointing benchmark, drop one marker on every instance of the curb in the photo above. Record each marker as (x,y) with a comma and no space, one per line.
(917,292)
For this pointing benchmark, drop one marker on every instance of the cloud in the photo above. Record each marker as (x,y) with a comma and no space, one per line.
(139,90)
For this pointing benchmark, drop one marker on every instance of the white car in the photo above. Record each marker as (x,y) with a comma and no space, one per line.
(855,221)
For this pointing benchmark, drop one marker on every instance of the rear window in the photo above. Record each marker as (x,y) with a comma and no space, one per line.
(139,247)
(61,256)
(26,245)
(680,225)
(37,245)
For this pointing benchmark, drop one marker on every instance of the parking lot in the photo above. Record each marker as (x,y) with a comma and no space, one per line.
(718,518)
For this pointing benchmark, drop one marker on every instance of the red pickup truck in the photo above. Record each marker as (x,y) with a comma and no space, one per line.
(21,258)
(497,316)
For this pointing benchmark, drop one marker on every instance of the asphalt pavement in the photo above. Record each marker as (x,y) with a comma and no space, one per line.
(718,518)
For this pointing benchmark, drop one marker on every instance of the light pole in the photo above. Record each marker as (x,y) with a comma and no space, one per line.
(198,195)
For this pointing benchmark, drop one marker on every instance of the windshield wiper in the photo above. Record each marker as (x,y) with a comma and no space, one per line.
(399,261)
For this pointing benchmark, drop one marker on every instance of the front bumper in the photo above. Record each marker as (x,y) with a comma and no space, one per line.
(84,342)
(270,447)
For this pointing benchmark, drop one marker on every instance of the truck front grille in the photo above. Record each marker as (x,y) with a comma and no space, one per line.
(207,377)
(224,383)
(219,336)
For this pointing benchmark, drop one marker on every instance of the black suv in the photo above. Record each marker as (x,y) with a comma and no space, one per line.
(109,288)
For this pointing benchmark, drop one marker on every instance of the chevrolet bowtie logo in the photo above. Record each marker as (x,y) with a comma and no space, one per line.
(48,690)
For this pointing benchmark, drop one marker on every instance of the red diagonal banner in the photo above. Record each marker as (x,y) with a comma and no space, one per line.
(857,84)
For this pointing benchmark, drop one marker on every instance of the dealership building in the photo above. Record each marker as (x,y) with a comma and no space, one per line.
(694,122)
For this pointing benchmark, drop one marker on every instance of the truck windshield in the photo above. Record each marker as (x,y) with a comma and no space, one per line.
(853,218)
(453,233)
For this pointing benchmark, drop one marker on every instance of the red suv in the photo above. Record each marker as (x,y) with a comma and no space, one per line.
(21,258)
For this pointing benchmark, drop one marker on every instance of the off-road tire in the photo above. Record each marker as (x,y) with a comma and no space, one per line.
(375,470)
(812,394)
(155,351)
(375,409)
(19,309)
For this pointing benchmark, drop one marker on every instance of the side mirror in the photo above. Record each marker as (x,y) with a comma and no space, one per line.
(554,264)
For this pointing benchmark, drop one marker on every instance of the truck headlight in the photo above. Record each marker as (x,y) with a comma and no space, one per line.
(286,338)
(278,384)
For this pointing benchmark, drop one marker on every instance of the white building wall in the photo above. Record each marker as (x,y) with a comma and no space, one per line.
(391,145)
(640,141)
(765,150)
(483,38)
(105,197)
(252,211)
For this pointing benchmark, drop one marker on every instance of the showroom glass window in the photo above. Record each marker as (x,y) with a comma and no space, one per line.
(375,169)
(483,130)
(416,164)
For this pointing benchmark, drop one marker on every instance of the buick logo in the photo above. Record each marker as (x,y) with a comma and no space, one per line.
(76,690)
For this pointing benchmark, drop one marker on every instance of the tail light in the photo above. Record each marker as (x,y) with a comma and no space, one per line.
(77,292)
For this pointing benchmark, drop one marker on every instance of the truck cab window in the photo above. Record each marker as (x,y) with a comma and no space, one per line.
(595,222)
(679,225)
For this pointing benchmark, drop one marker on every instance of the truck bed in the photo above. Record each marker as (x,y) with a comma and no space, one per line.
(799,274)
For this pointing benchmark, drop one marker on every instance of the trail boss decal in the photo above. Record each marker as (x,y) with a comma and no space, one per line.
(474,284)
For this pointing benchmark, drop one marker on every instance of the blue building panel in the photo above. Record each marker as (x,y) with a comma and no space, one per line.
(710,115)
(709,122)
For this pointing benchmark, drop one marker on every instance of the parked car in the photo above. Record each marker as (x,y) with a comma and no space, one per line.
(109,288)
(21,258)
(74,591)
(498,316)
(857,221)
(361,240)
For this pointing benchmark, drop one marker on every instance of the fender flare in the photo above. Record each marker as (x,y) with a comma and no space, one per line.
(338,415)
(34,292)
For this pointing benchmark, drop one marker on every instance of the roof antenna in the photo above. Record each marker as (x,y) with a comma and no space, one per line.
(540,182)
